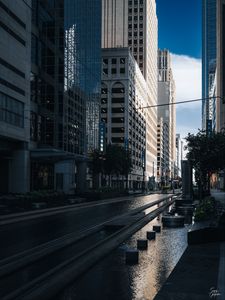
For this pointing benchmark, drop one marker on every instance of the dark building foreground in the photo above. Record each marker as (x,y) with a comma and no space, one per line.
(50,79)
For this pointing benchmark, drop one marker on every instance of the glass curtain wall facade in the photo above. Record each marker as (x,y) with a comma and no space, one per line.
(65,90)
(47,126)
(82,24)
(209,41)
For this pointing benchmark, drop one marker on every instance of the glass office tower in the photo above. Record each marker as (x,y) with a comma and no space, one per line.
(65,91)
(82,24)
(208,56)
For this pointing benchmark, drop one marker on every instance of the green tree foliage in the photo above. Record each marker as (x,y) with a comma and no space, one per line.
(206,154)
(116,161)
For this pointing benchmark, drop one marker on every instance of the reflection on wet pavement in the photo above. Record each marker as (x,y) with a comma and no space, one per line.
(113,279)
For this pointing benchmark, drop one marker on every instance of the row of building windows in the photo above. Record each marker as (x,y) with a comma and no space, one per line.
(113,110)
(135,10)
(11,68)
(135,26)
(135,18)
(12,86)
(105,71)
(135,33)
(135,42)
(114,61)
(11,111)
(136,2)
(12,15)
(12,33)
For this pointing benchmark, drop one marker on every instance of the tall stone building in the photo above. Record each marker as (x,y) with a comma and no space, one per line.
(15,48)
(123,92)
(133,24)
(166,116)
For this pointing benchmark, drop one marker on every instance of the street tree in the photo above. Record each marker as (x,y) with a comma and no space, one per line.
(96,166)
(207,155)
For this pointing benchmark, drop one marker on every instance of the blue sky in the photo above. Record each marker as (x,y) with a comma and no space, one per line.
(180,26)
(180,31)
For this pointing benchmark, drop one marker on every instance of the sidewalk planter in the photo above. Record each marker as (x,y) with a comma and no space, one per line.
(205,210)
(165,189)
(173,221)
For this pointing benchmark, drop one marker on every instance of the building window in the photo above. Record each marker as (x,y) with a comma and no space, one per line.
(122,61)
(11,111)
(114,61)
(122,70)
(118,110)
(117,120)
(118,90)
(105,61)
(104,101)
(118,100)
(113,71)
(104,90)
(117,140)
(118,130)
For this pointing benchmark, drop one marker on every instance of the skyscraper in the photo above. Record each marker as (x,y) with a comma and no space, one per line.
(220,86)
(138,30)
(209,55)
(166,114)
(123,93)
(65,85)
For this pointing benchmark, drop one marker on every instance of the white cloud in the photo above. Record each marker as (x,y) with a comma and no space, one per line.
(187,73)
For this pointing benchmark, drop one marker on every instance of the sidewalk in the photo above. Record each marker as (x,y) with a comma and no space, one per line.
(200,273)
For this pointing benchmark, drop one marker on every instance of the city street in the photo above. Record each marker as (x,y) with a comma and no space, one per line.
(26,234)
(24,263)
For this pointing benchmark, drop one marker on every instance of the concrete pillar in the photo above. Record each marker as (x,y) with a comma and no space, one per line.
(81,176)
(65,176)
(19,172)
(186,179)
